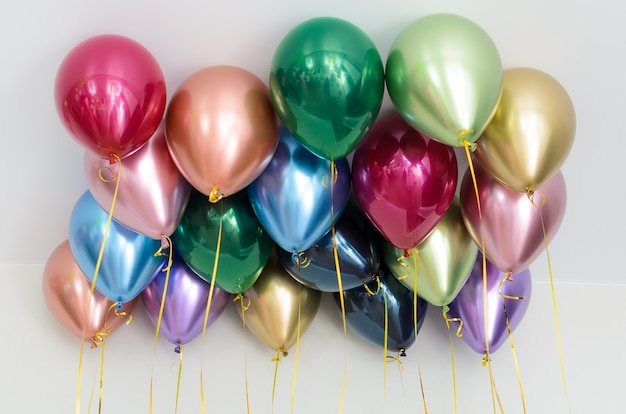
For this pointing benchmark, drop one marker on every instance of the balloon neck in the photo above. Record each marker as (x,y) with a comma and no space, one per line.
(406,253)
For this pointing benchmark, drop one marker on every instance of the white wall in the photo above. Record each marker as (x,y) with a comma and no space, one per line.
(579,43)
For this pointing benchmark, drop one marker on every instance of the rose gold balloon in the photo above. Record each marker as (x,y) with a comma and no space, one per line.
(221,129)
(152,193)
(67,290)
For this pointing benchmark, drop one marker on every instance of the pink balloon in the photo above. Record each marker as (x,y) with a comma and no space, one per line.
(403,181)
(110,95)
(511,222)
(152,193)
(66,291)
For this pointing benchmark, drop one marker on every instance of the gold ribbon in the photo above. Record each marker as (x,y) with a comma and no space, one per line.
(179,350)
(280,354)
(458,334)
(295,363)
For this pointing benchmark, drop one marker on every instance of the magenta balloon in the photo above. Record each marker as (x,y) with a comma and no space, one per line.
(185,303)
(403,181)
(110,94)
(469,305)
(152,193)
(511,222)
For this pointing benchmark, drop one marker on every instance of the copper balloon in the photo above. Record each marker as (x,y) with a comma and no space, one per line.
(67,293)
(221,129)
(273,306)
(532,131)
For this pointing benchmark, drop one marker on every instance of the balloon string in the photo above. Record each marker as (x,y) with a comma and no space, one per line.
(166,244)
(244,307)
(334,176)
(208,305)
(531,195)
(179,350)
(414,254)
(507,278)
(295,363)
(389,358)
(468,148)
(385,345)
(402,263)
(280,353)
(112,159)
(448,320)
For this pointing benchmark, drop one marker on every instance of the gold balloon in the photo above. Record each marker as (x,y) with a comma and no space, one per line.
(531,133)
(443,260)
(272,306)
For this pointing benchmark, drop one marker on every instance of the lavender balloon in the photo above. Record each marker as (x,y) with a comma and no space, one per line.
(185,302)
(505,298)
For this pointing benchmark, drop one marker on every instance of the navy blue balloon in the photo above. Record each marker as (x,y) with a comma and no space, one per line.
(365,312)
(357,249)
(297,197)
(128,263)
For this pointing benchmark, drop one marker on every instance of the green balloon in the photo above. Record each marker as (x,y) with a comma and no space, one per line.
(444,76)
(327,83)
(244,248)
(440,265)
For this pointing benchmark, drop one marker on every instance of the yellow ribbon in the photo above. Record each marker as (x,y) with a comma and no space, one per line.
(448,320)
(280,354)
(390,358)
(215,195)
(244,307)
(113,158)
(414,254)
(469,146)
(295,363)
(530,192)
(179,351)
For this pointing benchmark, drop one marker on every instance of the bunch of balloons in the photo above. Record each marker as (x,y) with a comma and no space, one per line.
(251,188)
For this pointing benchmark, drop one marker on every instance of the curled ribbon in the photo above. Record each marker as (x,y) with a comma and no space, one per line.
(446,309)
(215,195)
(244,305)
(330,181)
(370,291)
(301,259)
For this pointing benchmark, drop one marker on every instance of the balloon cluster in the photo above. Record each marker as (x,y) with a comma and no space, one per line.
(254,187)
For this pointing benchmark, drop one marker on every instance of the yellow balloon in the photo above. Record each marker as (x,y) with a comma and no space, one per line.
(532,132)
(270,308)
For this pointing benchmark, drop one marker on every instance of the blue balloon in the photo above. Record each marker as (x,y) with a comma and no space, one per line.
(365,312)
(357,248)
(128,263)
(297,196)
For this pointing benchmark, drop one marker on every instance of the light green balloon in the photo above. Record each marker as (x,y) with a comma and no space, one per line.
(444,76)
(440,265)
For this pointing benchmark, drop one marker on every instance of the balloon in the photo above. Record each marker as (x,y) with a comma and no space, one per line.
(244,246)
(110,94)
(221,129)
(511,222)
(512,293)
(275,304)
(185,302)
(128,262)
(444,76)
(365,312)
(358,253)
(67,294)
(152,193)
(532,133)
(444,260)
(295,198)
(403,181)
(327,84)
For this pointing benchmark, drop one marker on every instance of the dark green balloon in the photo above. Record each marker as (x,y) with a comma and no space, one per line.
(245,246)
(327,83)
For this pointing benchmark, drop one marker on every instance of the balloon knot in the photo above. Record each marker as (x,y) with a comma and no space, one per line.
(177,348)
(215,195)
(406,253)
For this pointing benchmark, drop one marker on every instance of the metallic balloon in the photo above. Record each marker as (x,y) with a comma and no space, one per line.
(507,299)
(152,193)
(244,246)
(110,94)
(444,76)
(532,133)
(327,84)
(365,312)
(442,263)
(357,249)
(276,305)
(128,262)
(221,129)
(511,223)
(185,302)
(298,198)
(67,294)
(403,181)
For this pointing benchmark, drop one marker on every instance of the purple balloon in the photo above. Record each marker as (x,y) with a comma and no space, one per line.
(185,302)
(469,304)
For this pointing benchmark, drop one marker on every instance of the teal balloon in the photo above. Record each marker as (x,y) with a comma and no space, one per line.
(444,76)
(244,245)
(327,83)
